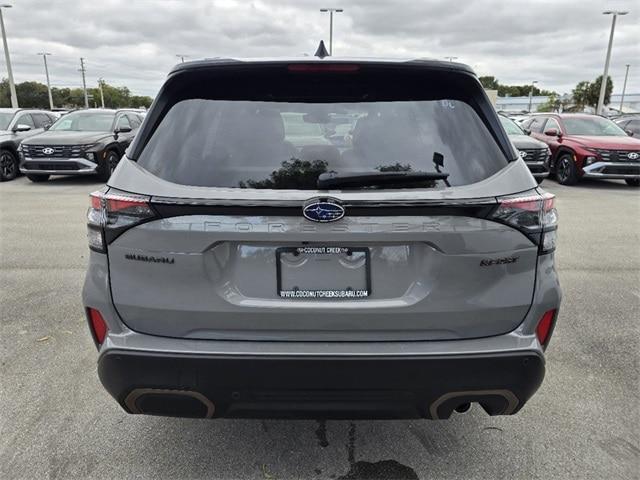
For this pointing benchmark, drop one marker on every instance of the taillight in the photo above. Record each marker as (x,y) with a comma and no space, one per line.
(98,325)
(111,213)
(545,326)
(534,215)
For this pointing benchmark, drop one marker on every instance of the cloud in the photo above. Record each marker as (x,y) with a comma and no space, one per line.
(134,43)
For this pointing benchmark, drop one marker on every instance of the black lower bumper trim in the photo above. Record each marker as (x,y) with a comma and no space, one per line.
(318,387)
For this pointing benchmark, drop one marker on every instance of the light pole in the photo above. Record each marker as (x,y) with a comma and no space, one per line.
(100,85)
(451,59)
(12,85)
(331,11)
(624,88)
(84,83)
(605,75)
(46,71)
(531,94)
(181,57)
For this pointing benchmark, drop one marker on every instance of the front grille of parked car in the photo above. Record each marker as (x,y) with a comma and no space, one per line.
(533,154)
(621,170)
(51,166)
(59,151)
(618,155)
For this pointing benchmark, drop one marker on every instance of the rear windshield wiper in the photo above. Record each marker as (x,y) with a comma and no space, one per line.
(376,179)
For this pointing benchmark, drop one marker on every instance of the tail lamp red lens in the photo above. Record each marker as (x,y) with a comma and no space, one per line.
(111,213)
(545,325)
(98,325)
(534,215)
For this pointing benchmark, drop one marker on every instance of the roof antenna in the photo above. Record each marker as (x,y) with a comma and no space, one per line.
(321,52)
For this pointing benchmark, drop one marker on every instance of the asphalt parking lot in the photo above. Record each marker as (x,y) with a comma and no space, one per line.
(56,421)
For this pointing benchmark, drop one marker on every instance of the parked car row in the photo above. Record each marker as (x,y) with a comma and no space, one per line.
(84,142)
(587,146)
(17,125)
(579,146)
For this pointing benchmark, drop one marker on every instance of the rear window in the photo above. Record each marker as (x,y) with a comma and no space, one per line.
(287,145)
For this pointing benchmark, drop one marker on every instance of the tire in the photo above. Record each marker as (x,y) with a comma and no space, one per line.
(108,166)
(566,171)
(8,165)
(38,178)
(633,182)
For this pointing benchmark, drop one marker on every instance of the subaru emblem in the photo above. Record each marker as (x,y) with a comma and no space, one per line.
(323,210)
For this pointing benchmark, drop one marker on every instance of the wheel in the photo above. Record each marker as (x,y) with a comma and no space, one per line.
(108,166)
(566,171)
(38,178)
(8,165)
(633,182)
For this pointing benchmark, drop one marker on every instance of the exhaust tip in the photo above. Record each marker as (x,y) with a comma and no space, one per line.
(463,407)
(172,403)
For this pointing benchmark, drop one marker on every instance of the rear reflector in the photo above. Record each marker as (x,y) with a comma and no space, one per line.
(98,325)
(545,325)
(323,67)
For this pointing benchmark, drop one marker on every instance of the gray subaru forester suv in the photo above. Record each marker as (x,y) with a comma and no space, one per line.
(321,238)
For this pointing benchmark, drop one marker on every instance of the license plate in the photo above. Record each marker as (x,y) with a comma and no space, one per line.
(323,272)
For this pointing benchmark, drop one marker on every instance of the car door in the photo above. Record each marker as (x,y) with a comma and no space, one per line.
(124,138)
(553,141)
(634,127)
(26,119)
(535,127)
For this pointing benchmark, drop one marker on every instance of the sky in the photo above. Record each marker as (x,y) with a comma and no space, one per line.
(134,43)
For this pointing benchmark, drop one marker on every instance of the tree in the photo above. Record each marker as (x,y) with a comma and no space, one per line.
(586,94)
(492,83)
(34,95)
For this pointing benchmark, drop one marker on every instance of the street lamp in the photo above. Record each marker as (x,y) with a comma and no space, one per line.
(331,11)
(12,85)
(624,88)
(181,56)
(605,76)
(531,94)
(46,71)
(451,59)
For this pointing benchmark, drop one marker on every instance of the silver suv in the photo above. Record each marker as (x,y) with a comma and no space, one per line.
(321,238)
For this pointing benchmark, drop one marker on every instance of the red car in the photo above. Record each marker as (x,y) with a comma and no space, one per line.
(587,146)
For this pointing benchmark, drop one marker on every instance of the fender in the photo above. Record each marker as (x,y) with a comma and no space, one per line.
(560,151)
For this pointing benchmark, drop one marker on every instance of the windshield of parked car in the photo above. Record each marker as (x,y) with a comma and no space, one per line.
(85,122)
(596,126)
(281,145)
(5,120)
(510,126)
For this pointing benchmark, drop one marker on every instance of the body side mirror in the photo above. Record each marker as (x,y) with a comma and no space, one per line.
(552,132)
(21,127)
(122,130)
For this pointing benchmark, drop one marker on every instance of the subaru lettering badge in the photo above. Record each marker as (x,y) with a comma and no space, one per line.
(323,210)
(633,155)
(48,151)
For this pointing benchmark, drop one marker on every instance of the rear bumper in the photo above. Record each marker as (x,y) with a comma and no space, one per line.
(58,166)
(319,386)
(612,170)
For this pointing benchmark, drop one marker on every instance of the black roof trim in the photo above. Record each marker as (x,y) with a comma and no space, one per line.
(207,63)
